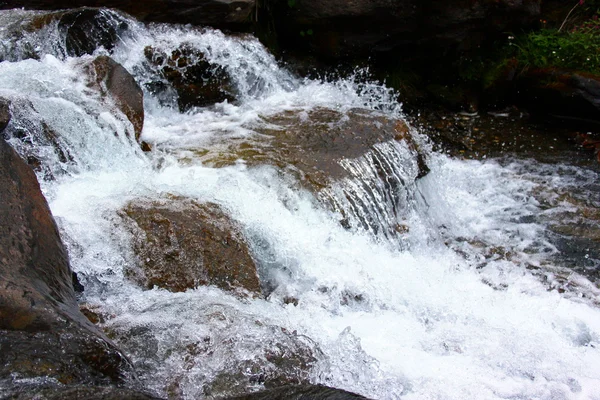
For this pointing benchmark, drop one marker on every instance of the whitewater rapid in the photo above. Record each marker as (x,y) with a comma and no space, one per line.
(435,314)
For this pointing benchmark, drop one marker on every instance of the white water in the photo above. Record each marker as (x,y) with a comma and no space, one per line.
(432,315)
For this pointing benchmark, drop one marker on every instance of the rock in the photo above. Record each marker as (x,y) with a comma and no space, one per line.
(182,244)
(334,29)
(112,80)
(4,113)
(76,392)
(87,29)
(42,332)
(231,353)
(197,82)
(566,95)
(301,392)
(311,145)
(222,14)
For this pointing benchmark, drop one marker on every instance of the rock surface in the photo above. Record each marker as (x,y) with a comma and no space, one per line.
(181,244)
(225,14)
(112,80)
(4,113)
(42,332)
(311,144)
(567,95)
(76,392)
(301,392)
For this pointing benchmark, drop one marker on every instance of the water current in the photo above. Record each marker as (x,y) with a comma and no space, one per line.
(446,286)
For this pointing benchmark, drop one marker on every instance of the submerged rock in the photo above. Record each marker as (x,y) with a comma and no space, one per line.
(112,80)
(182,244)
(301,392)
(196,81)
(42,332)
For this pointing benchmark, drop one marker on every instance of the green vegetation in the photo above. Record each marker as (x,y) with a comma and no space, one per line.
(577,49)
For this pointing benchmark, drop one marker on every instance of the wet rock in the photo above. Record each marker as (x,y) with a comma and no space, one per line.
(311,144)
(77,392)
(42,332)
(197,82)
(112,80)
(4,113)
(567,95)
(301,392)
(182,244)
(223,14)
(88,29)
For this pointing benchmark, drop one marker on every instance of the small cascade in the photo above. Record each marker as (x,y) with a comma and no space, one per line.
(379,194)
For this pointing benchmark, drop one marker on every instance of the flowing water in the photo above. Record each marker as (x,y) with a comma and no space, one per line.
(448,286)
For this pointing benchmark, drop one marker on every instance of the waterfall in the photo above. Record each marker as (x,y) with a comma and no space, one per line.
(386,280)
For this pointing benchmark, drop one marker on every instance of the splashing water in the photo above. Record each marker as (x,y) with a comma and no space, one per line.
(431,291)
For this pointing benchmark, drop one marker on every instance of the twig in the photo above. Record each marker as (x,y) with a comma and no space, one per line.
(569,14)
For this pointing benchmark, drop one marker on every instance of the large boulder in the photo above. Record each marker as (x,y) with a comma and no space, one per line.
(42,332)
(181,244)
(224,14)
(563,94)
(407,28)
(112,80)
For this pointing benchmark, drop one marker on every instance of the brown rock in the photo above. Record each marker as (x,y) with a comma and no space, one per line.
(42,332)
(312,144)
(114,81)
(182,244)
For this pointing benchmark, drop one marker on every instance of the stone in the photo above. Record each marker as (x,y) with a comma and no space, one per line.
(4,113)
(42,332)
(563,94)
(77,392)
(301,392)
(312,144)
(222,14)
(181,244)
(112,80)
(87,29)
(197,82)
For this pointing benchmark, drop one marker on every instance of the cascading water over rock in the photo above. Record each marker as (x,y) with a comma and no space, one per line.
(376,277)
